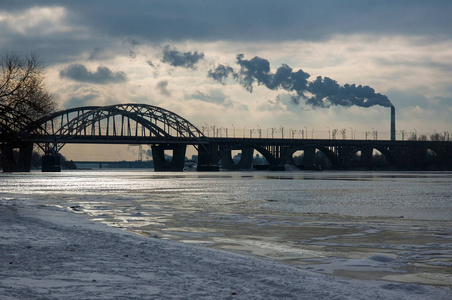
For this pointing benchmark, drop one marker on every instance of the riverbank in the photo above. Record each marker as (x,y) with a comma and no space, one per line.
(47,252)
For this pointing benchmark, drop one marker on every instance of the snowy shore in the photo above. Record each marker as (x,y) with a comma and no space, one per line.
(51,253)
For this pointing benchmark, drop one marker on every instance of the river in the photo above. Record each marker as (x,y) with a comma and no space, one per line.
(376,225)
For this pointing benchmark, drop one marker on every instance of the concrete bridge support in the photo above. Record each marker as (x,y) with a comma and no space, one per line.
(227,162)
(445,157)
(411,158)
(346,157)
(419,158)
(208,157)
(366,158)
(309,158)
(176,164)
(16,157)
(245,163)
(51,162)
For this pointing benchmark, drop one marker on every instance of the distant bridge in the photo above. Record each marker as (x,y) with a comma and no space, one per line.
(164,130)
(112,164)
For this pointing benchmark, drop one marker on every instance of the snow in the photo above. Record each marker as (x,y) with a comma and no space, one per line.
(53,253)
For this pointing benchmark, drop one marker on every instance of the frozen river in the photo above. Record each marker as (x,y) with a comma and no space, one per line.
(378,225)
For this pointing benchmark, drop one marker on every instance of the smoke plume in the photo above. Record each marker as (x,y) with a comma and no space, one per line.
(220,73)
(181,59)
(322,92)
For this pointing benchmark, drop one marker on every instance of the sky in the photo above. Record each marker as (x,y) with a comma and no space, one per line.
(301,65)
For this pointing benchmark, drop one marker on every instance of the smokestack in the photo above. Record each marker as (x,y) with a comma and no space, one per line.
(393,123)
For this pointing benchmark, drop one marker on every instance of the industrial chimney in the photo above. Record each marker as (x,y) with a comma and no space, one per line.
(393,137)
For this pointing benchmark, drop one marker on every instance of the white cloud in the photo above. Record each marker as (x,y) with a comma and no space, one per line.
(37,21)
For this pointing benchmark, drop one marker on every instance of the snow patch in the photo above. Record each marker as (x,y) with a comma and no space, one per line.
(51,253)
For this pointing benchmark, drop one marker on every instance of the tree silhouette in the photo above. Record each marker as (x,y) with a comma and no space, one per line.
(22,85)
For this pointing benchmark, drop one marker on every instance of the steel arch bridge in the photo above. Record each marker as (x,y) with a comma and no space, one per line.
(117,121)
(114,124)
(122,123)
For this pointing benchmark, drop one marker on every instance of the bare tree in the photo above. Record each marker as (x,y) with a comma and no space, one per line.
(22,85)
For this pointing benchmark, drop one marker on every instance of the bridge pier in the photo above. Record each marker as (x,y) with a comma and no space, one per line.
(245,163)
(51,162)
(418,158)
(227,162)
(365,160)
(16,157)
(176,164)
(309,158)
(411,158)
(445,157)
(208,157)
(346,157)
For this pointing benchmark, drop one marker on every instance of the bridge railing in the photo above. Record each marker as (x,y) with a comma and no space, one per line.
(213,131)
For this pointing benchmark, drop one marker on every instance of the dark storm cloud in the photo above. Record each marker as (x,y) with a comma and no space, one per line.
(245,20)
(322,92)
(181,59)
(90,24)
(102,75)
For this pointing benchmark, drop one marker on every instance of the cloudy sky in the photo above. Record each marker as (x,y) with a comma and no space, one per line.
(298,65)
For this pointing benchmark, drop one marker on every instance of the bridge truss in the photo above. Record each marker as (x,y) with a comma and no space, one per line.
(11,123)
(123,123)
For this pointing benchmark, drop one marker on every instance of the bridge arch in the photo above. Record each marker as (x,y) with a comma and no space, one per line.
(86,121)
(247,156)
(431,156)
(387,154)
(367,157)
(114,121)
(309,153)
